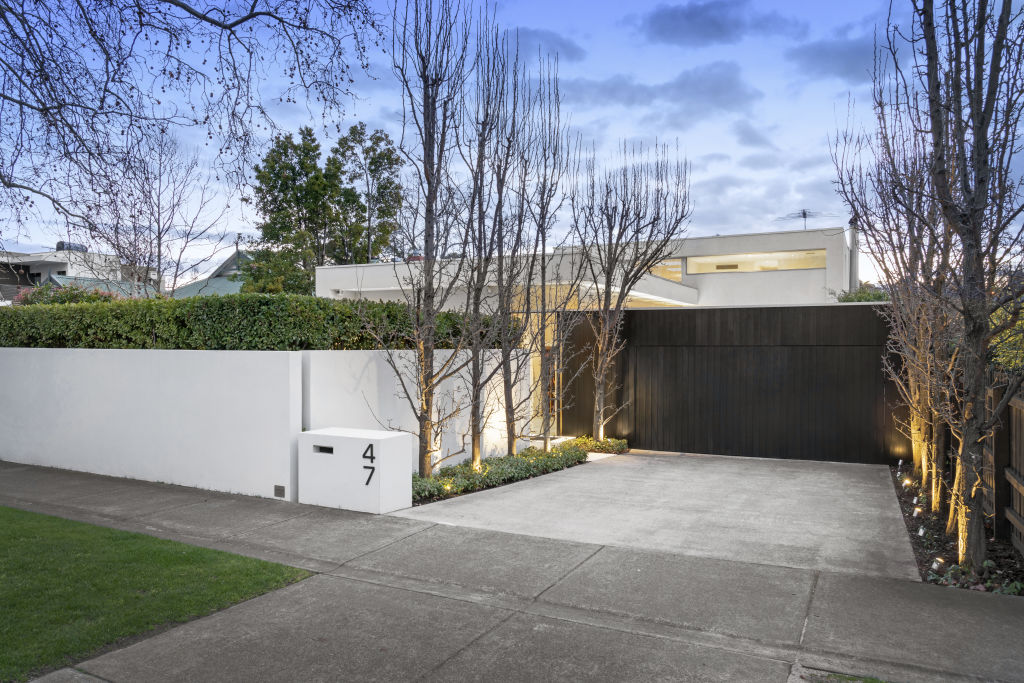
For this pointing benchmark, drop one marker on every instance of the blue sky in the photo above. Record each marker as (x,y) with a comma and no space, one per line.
(750,89)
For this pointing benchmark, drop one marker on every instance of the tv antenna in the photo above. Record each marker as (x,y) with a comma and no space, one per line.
(805,214)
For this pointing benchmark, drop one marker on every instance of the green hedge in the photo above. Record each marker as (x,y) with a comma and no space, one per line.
(608,445)
(531,462)
(242,322)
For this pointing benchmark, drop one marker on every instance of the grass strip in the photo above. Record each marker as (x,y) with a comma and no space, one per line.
(68,589)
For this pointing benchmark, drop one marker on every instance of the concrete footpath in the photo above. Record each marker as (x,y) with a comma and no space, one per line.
(403,599)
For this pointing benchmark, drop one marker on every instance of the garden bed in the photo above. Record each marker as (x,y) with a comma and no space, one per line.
(936,553)
(456,480)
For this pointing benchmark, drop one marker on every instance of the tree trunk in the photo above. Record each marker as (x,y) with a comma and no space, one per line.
(955,498)
(975,550)
(426,447)
(917,442)
(599,394)
(476,404)
(927,448)
(507,381)
(546,359)
(940,446)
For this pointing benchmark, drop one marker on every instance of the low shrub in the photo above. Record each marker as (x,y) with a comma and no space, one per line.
(455,480)
(68,294)
(241,322)
(607,445)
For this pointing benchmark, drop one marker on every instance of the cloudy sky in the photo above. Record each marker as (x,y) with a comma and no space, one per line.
(751,89)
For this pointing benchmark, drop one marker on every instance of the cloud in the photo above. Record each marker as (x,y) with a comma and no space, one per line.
(810,161)
(534,40)
(715,22)
(845,58)
(749,136)
(706,161)
(693,95)
(759,162)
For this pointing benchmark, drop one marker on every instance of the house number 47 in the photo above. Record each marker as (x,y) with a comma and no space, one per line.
(368,455)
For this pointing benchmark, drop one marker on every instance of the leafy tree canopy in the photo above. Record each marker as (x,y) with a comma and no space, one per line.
(340,212)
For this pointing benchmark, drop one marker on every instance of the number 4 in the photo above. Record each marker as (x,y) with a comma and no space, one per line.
(368,455)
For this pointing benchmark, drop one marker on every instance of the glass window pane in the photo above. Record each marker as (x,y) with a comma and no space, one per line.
(756,262)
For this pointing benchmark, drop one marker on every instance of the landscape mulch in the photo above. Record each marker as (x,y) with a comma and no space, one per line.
(1007,564)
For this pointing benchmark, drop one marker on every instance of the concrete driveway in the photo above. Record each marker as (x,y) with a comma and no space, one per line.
(792,513)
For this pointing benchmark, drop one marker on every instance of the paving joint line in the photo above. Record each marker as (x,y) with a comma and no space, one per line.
(441,664)
(561,578)
(810,604)
(387,545)
(77,667)
(266,526)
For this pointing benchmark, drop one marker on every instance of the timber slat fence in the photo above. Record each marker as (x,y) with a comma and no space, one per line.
(1004,472)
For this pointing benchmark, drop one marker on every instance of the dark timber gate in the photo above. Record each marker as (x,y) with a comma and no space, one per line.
(802,382)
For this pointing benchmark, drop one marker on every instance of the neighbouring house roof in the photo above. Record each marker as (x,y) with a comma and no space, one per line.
(120,287)
(231,264)
(208,286)
(220,281)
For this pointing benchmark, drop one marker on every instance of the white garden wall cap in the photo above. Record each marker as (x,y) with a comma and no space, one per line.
(357,433)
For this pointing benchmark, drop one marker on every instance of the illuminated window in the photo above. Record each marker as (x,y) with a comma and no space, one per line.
(755,262)
(670,269)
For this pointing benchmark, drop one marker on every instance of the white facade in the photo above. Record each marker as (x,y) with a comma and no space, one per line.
(38,267)
(220,420)
(775,279)
(773,287)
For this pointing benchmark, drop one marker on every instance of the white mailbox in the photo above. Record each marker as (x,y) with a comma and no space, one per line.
(355,469)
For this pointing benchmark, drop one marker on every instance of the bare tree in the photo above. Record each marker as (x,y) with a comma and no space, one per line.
(951,95)
(83,83)
(430,55)
(883,177)
(162,221)
(491,146)
(624,220)
(554,273)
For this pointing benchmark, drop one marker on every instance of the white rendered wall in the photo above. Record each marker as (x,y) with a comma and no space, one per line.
(778,287)
(359,389)
(221,420)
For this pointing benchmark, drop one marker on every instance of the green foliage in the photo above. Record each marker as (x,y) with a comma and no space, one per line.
(1007,347)
(257,322)
(531,462)
(372,164)
(592,445)
(865,292)
(69,294)
(69,589)
(341,212)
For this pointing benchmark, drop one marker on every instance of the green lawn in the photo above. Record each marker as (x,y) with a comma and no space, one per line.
(68,589)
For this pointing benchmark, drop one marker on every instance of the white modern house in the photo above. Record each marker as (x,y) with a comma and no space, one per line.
(69,264)
(68,259)
(757,269)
